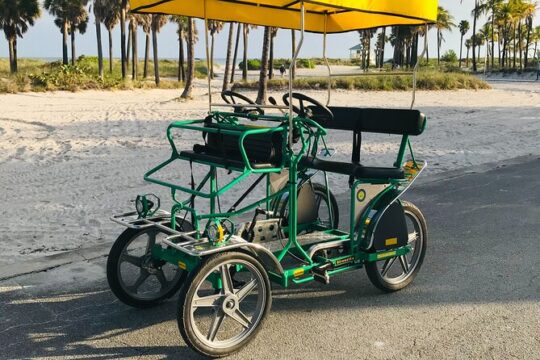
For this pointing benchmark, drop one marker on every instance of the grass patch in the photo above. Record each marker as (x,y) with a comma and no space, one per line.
(38,75)
(426,80)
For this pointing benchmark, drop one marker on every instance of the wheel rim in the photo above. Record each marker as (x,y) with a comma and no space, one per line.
(398,269)
(226,317)
(140,275)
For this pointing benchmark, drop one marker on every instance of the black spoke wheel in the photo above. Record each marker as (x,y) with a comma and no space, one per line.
(135,276)
(396,273)
(224,303)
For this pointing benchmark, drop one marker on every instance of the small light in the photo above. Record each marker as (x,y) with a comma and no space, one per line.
(146,207)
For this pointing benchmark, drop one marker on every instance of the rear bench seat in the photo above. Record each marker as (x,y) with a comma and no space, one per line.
(374,120)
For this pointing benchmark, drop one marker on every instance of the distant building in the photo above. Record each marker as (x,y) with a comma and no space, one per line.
(356,53)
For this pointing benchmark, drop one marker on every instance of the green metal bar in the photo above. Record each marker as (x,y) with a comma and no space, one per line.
(401,152)
(213,189)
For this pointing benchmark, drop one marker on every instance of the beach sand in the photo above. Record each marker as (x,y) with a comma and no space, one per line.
(70,160)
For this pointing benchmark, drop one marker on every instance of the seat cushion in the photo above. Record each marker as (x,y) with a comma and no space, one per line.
(356,170)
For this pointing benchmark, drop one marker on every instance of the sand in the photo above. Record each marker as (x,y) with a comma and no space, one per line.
(70,160)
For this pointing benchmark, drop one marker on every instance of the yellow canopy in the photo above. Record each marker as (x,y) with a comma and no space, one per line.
(332,16)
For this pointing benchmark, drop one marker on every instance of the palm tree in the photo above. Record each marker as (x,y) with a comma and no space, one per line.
(146,23)
(158,21)
(246,27)
(59,9)
(445,21)
(78,21)
(123,13)
(214,27)
(529,10)
(536,38)
(463,29)
(100,12)
(228,59)
(381,42)
(134,23)
(475,13)
(16,16)
(182,23)
(188,87)
(110,20)
(235,56)
(468,44)
(273,33)
(263,75)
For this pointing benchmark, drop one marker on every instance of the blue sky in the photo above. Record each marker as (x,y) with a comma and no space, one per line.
(44,39)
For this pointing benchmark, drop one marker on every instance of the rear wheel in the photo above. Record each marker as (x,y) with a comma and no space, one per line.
(396,273)
(135,276)
(327,207)
(224,303)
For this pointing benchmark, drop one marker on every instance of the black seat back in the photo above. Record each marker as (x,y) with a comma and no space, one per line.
(375,120)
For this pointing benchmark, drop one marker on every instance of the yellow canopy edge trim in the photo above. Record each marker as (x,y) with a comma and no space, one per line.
(342,15)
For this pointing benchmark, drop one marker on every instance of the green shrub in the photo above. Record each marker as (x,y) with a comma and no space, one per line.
(252,64)
(450,56)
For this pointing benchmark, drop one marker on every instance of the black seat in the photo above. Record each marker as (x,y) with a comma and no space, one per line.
(356,170)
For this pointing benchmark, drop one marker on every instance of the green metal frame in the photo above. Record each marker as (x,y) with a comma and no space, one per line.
(228,124)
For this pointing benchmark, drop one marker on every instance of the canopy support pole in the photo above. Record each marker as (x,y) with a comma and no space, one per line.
(209,71)
(415,71)
(293,61)
(329,85)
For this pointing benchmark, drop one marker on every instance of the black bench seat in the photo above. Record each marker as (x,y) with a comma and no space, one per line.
(356,170)
(206,157)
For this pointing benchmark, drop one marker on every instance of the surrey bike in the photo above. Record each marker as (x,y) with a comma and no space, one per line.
(222,261)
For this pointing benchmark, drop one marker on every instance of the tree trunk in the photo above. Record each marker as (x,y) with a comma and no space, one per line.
(99,47)
(65,57)
(73,55)
(515,48)
(245,65)
(181,70)
(110,51)
(528,41)
(263,76)
(188,88)
(12,55)
(123,38)
(381,54)
(438,47)
(293,50)
(467,59)
(228,60)
(235,57)
(15,56)
(271,60)
(128,49)
(475,16)
(211,70)
(146,55)
(460,50)
(156,58)
(520,46)
(493,37)
(135,54)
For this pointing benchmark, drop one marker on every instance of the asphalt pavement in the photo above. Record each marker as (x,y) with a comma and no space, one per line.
(477,295)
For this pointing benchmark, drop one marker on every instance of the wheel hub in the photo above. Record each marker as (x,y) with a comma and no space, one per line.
(230,304)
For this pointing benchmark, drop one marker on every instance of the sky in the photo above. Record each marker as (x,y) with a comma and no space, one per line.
(44,39)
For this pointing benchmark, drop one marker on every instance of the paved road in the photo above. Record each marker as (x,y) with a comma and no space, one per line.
(477,295)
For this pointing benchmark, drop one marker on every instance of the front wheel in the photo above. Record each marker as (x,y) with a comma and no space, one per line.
(224,303)
(396,273)
(135,276)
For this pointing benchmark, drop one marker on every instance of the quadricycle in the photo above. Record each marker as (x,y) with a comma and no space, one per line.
(222,263)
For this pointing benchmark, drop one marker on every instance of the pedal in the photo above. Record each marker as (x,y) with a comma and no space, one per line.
(320,273)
